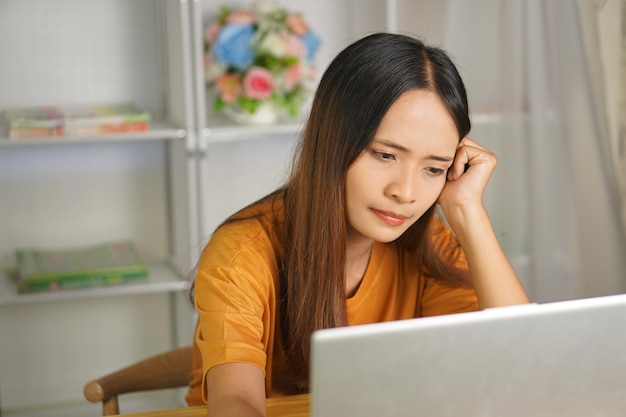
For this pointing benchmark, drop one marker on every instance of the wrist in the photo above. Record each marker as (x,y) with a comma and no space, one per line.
(465,219)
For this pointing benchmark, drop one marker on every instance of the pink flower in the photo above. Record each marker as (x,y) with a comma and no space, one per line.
(294,46)
(311,73)
(258,83)
(229,87)
(293,76)
(211,33)
(207,62)
(296,24)
(241,16)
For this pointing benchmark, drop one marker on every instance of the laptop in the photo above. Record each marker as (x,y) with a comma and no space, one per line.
(564,358)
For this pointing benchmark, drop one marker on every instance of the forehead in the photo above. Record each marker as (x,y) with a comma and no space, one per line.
(419,118)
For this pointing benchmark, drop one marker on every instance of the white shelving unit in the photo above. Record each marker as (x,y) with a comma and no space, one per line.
(74,191)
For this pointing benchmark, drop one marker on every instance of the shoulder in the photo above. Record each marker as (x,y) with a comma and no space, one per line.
(235,238)
(244,247)
(250,232)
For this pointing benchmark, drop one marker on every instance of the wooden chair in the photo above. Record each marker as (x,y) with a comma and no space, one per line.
(166,370)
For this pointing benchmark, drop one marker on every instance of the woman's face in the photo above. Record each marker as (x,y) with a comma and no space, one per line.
(403,170)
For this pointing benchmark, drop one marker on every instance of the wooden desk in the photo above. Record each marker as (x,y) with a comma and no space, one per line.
(292,406)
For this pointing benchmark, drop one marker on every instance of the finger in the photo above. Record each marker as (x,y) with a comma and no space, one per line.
(469,153)
(460,163)
(467,141)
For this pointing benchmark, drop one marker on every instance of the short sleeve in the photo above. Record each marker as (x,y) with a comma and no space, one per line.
(234,295)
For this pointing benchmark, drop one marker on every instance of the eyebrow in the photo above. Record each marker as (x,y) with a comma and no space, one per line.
(401,148)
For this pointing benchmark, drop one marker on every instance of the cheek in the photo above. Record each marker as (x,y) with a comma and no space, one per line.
(358,178)
(433,191)
(440,186)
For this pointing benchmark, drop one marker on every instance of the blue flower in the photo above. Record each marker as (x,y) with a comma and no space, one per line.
(234,46)
(312,43)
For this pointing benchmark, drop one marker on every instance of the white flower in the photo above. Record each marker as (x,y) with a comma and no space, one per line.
(212,69)
(273,44)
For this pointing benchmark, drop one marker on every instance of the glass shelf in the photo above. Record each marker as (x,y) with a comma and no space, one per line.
(161,278)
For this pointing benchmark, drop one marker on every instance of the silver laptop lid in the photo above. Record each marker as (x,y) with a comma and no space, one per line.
(557,359)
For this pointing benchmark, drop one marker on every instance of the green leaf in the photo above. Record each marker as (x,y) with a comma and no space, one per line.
(219,104)
(223,14)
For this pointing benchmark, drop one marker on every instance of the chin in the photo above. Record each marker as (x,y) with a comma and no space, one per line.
(386,236)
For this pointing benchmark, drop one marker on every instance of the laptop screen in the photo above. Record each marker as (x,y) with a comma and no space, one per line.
(556,359)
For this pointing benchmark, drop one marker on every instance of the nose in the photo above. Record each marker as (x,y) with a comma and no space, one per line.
(403,186)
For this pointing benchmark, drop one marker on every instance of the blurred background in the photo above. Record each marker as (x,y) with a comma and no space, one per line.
(545,81)
(546,89)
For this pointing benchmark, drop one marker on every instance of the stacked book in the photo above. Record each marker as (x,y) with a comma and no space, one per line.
(73,121)
(95,266)
(34,121)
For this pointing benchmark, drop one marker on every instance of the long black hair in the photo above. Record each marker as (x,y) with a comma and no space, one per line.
(354,94)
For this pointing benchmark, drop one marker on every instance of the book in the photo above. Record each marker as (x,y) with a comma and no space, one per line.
(104,264)
(77,283)
(34,121)
(105,118)
(93,119)
(107,129)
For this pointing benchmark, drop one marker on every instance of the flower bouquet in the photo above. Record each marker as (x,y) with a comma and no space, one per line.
(259,60)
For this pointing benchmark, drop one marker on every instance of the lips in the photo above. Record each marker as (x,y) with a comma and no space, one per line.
(390,218)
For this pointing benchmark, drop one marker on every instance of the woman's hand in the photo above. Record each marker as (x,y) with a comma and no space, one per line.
(467,179)
(495,281)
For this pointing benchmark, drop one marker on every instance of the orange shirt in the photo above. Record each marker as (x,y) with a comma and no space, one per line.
(236,289)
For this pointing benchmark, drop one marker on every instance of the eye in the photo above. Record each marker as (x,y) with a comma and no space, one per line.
(436,171)
(384,156)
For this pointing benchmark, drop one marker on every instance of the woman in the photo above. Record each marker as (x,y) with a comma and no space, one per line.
(354,236)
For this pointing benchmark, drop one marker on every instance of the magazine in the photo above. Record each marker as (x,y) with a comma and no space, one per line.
(98,265)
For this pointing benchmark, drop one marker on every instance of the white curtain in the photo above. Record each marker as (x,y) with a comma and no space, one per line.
(621,108)
(536,86)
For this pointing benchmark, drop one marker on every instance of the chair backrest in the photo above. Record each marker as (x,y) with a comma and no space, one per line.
(170,369)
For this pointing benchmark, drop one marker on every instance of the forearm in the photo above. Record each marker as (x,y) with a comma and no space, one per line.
(494,278)
(232,406)
(235,390)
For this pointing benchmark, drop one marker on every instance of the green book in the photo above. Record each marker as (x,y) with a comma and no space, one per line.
(104,264)
(77,283)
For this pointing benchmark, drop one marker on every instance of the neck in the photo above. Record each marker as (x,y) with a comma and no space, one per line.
(357,259)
